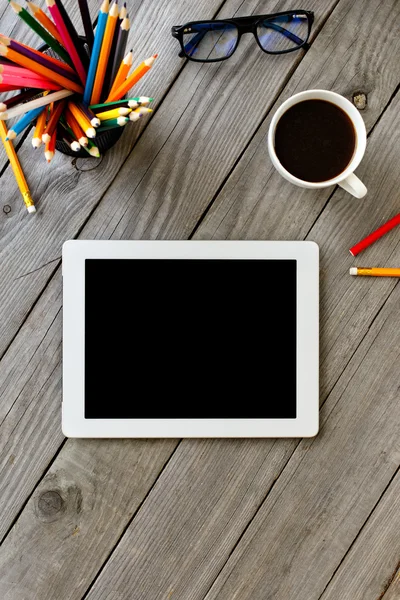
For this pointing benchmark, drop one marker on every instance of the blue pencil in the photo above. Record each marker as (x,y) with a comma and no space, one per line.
(94,59)
(23,123)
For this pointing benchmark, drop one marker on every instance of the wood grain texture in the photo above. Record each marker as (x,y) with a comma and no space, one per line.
(76,516)
(308,522)
(375,555)
(66,194)
(393,592)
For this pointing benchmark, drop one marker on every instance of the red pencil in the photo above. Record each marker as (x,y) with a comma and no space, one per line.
(375,235)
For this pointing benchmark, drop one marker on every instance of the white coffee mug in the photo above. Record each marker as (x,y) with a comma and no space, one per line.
(347,180)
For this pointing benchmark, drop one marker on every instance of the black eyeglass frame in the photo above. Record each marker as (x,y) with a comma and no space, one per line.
(243,25)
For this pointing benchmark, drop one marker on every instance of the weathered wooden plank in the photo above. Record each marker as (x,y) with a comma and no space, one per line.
(66,194)
(393,592)
(375,556)
(78,504)
(201,125)
(107,505)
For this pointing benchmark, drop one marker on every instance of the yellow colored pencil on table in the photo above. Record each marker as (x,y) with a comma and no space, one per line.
(132,79)
(17,169)
(375,272)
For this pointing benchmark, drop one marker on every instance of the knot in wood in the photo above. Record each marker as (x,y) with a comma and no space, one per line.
(50,504)
(360,100)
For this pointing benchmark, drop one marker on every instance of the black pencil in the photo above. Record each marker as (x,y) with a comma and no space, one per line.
(87,23)
(79,43)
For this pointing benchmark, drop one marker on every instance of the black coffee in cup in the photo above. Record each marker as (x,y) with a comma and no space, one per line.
(315,140)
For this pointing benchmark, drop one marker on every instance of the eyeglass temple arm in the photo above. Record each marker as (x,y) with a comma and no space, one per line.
(197,38)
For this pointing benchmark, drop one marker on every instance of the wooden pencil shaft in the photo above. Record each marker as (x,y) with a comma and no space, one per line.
(78,42)
(109,78)
(17,99)
(24,82)
(44,20)
(94,59)
(40,31)
(137,74)
(42,101)
(104,54)
(47,61)
(117,64)
(38,68)
(17,169)
(87,22)
(53,121)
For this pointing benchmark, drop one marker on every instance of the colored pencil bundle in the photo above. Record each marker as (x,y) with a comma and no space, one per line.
(79,91)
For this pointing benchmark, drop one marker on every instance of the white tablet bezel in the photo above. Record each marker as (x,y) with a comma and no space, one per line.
(305,424)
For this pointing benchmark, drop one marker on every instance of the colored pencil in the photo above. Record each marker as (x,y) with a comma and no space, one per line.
(10,88)
(114,113)
(87,23)
(92,149)
(108,79)
(42,101)
(17,99)
(67,136)
(82,119)
(23,61)
(132,79)
(40,125)
(53,121)
(113,123)
(50,148)
(17,169)
(94,120)
(40,31)
(68,42)
(375,235)
(122,72)
(23,123)
(131,102)
(94,59)
(18,71)
(45,21)
(76,128)
(375,272)
(24,82)
(104,54)
(44,59)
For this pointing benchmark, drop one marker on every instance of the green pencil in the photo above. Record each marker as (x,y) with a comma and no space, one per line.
(131,102)
(112,124)
(41,31)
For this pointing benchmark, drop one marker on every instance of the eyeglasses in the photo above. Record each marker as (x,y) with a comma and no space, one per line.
(212,41)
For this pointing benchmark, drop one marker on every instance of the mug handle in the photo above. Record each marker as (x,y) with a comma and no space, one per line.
(354,186)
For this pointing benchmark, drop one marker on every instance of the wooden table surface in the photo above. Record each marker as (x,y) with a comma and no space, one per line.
(312,519)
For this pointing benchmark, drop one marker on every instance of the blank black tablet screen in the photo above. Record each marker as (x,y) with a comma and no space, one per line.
(190,339)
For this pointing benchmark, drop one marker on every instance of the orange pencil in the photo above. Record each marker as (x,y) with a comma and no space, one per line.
(23,61)
(50,148)
(53,121)
(132,80)
(122,72)
(76,128)
(104,53)
(82,119)
(45,21)
(40,125)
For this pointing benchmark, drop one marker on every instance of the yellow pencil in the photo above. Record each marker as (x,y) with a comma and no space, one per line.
(104,54)
(39,129)
(17,169)
(122,111)
(82,120)
(375,272)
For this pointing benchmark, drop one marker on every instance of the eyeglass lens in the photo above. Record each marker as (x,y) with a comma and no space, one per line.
(283,33)
(210,41)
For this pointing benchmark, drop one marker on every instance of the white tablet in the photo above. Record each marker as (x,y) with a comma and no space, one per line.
(190,339)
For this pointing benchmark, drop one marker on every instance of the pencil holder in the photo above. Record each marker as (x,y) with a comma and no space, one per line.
(104,141)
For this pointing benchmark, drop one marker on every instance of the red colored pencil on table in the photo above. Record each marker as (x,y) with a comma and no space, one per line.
(375,235)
